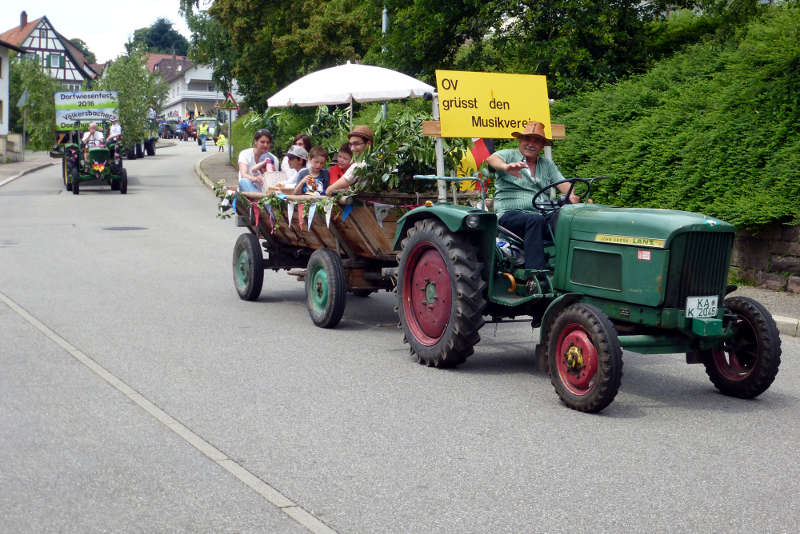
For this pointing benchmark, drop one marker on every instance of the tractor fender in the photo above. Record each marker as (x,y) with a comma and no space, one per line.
(552,311)
(452,216)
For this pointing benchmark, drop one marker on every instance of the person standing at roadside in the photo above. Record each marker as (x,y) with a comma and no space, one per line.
(202,133)
(359,139)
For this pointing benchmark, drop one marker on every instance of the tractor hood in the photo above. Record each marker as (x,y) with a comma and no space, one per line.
(642,227)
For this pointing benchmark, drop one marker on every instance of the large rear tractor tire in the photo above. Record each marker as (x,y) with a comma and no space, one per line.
(745,365)
(440,293)
(123,182)
(326,288)
(585,358)
(248,267)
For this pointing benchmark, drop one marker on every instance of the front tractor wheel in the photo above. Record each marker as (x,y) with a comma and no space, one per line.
(326,288)
(745,365)
(440,293)
(585,358)
(248,267)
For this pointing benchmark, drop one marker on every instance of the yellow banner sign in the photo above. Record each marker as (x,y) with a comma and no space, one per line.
(490,104)
(630,240)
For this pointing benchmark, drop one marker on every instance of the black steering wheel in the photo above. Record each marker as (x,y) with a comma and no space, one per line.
(546,205)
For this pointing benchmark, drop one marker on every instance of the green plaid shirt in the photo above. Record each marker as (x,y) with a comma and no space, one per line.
(512,193)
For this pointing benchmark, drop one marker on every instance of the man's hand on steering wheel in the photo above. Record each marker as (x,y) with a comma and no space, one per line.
(545,205)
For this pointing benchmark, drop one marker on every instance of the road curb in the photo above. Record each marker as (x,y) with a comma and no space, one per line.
(26,171)
(788,326)
(198,170)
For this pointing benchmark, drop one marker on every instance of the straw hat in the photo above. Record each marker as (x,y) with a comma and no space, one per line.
(534,129)
(363,132)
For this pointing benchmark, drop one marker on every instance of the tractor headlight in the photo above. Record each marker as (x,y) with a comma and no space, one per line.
(472,222)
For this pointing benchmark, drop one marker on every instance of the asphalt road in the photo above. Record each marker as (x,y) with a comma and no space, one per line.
(139,394)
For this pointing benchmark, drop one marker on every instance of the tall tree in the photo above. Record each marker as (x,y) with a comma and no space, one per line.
(425,35)
(160,38)
(27,75)
(272,46)
(210,45)
(84,48)
(139,90)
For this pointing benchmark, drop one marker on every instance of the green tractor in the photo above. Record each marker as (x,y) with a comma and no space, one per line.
(101,164)
(650,281)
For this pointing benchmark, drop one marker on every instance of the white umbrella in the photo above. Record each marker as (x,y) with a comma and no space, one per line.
(348,83)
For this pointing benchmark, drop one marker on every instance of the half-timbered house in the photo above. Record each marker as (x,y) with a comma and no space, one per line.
(59,58)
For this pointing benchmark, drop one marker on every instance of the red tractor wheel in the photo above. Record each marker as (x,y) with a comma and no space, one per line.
(585,358)
(440,293)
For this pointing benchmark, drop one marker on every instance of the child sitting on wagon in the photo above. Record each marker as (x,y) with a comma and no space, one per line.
(343,160)
(314,179)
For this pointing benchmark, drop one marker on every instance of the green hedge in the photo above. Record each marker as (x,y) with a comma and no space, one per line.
(714,129)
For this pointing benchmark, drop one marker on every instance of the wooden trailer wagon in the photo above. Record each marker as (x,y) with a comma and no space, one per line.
(334,245)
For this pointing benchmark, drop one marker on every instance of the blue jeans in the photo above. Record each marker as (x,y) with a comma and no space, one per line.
(247,186)
(203,141)
(533,228)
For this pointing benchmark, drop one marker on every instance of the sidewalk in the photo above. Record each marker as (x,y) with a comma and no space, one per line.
(784,307)
(33,162)
(216,167)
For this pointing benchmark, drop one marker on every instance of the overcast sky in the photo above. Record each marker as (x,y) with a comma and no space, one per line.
(105,26)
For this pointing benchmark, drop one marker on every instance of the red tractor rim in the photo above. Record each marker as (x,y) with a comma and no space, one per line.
(737,357)
(427,297)
(576,359)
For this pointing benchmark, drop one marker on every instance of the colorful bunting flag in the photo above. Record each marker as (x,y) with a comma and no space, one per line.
(311,211)
(328,209)
(381,211)
(346,211)
(300,214)
(290,209)
(271,219)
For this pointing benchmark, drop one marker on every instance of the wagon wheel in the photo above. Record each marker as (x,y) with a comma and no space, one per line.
(248,267)
(745,365)
(585,358)
(123,182)
(325,288)
(440,294)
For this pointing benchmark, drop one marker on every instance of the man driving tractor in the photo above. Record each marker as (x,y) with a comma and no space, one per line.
(521,174)
(92,138)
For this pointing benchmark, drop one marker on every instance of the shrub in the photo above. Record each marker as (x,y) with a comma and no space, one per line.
(714,129)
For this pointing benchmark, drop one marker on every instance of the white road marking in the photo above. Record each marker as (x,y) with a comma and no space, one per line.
(269,493)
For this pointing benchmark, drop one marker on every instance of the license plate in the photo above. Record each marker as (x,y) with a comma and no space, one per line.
(701,306)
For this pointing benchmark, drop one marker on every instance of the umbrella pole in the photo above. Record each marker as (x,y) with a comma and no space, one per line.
(351,113)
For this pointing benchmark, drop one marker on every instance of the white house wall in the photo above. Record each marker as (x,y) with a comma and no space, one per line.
(4,73)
